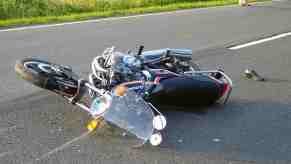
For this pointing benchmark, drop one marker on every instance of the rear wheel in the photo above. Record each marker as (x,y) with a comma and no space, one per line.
(54,77)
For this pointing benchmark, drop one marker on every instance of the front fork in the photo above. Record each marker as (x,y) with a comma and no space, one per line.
(82,88)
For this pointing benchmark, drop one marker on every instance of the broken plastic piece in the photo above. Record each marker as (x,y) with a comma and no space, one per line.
(252,74)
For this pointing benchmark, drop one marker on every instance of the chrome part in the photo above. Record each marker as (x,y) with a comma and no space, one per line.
(153,107)
(159,122)
(147,75)
(42,66)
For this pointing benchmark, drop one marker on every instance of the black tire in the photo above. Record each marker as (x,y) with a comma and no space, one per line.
(42,74)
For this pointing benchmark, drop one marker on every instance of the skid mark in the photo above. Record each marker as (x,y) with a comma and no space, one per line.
(6,153)
(57,149)
(2,130)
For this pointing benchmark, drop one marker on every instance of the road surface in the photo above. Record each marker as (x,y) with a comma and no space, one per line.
(254,127)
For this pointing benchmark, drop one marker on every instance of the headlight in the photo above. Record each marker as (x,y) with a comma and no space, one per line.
(101,104)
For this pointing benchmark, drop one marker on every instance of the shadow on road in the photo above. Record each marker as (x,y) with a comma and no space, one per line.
(241,129)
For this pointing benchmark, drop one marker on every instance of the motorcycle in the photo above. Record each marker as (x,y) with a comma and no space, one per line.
(125,89)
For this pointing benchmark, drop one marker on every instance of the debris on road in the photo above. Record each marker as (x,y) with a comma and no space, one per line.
(252,74)
(216,140)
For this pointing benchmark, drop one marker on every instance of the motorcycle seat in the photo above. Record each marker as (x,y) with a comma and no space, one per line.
(183,54)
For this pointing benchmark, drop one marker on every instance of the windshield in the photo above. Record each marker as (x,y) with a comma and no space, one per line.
(131,113)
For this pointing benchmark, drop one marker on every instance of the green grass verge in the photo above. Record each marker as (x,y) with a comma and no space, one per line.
(125,12)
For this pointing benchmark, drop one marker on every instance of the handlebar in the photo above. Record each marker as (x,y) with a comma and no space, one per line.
(140,50)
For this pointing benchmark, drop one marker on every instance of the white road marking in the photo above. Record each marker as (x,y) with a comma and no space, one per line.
(93,21)
(260,41)
(113,18)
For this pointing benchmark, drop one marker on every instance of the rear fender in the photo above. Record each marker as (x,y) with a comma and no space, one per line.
(225,81)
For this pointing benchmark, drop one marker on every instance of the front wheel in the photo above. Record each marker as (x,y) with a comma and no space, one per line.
(54,77)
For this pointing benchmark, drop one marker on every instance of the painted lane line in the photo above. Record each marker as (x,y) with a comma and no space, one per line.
(32,27)
(93,21)
(260,41)
(117,18)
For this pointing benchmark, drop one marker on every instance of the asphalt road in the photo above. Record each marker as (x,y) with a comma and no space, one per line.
(254,127)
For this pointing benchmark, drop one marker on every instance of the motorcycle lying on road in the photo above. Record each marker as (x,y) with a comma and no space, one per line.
(126,89)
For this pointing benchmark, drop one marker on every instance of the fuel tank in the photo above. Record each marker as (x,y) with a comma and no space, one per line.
(185,91)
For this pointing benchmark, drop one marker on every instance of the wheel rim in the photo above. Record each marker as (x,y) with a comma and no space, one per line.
(40,66)
(46,68)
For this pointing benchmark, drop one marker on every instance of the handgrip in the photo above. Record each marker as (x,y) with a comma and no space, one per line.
(140,50)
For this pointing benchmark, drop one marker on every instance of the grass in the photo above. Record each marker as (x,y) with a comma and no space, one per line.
(91,10)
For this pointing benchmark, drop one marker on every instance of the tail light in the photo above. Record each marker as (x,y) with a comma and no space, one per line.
(225,89)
